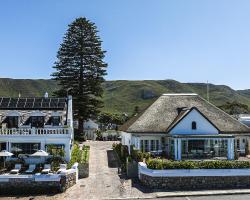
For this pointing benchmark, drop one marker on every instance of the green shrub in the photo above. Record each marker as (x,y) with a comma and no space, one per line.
(78,155)
(218,164)
(55,162)
(138,156)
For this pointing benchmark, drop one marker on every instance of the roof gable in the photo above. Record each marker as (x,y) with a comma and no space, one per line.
(184,124)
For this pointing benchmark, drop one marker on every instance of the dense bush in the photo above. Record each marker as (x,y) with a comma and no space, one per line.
(78,155)
(218,164)
(138,156)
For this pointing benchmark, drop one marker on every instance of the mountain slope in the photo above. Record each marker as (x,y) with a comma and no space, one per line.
(122,96)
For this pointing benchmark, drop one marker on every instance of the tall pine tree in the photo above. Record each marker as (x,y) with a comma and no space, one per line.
(80,69)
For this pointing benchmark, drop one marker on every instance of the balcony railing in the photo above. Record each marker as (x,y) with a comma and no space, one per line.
(35,131)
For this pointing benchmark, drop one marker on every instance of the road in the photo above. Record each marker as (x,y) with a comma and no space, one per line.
(220,197)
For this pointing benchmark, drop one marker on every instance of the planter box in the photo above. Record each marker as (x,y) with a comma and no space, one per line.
(132,169)
(83,170)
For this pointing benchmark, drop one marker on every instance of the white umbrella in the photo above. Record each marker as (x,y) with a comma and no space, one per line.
(40,153)
(5,153)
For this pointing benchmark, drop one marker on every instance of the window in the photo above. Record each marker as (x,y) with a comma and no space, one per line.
(55,121)
(238,143)
(152,145)
(146,146)
(3,146)
(194,125)
(24,148)
(142,145)
(12,121)
(37,121)
(157,145)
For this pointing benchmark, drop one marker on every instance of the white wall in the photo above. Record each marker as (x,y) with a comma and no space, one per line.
(126,138)
(142,169)
(185,125)
(90,124)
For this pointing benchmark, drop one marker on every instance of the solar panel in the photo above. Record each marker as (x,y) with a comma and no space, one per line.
(33,103)
(12,103)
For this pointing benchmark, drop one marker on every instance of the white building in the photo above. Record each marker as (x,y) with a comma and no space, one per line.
(186,126)
(90,127)
(30,124)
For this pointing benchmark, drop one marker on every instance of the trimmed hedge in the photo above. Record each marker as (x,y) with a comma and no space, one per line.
(218,164)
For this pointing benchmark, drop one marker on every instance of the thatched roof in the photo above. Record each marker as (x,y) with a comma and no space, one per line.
(163,113)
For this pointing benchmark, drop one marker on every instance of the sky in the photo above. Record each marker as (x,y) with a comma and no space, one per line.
(184,40)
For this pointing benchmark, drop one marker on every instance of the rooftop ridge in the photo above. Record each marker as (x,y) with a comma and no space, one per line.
(180,94)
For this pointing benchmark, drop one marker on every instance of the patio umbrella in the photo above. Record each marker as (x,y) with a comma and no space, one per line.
(40,153)
(5,154)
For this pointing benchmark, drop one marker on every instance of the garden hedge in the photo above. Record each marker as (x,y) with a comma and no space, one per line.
(218,164)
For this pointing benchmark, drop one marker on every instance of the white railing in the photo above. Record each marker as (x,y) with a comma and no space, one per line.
(35,131)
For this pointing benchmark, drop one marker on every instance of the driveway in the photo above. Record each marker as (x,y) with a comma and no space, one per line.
(103,181)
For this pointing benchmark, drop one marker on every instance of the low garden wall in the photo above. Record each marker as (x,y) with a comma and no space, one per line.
(38,183)
(192,179)
(83,170)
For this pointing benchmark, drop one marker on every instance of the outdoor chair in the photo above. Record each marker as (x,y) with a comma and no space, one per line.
(63,167)
(31,169)
(17,169)
(46,169)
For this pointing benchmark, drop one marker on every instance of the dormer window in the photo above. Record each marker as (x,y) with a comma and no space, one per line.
(194,126)
(37,121)
(11,121)
(56,121)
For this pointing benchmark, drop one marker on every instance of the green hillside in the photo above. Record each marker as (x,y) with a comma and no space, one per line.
(123,96)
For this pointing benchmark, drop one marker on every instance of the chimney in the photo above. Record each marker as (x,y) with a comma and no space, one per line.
(46,95)
(180,109)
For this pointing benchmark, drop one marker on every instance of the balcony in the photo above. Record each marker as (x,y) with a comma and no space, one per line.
(66,132)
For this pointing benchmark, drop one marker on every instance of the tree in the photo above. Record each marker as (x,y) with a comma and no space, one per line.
(80,69)
(234,108)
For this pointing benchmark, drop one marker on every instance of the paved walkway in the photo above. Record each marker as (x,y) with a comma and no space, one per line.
(103,181)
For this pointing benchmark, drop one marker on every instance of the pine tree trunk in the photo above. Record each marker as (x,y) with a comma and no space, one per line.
(80,126)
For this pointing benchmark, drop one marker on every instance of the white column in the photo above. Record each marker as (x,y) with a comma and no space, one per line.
(175,149)
(42,145)
(179,149)
(230,148)
(139,144)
